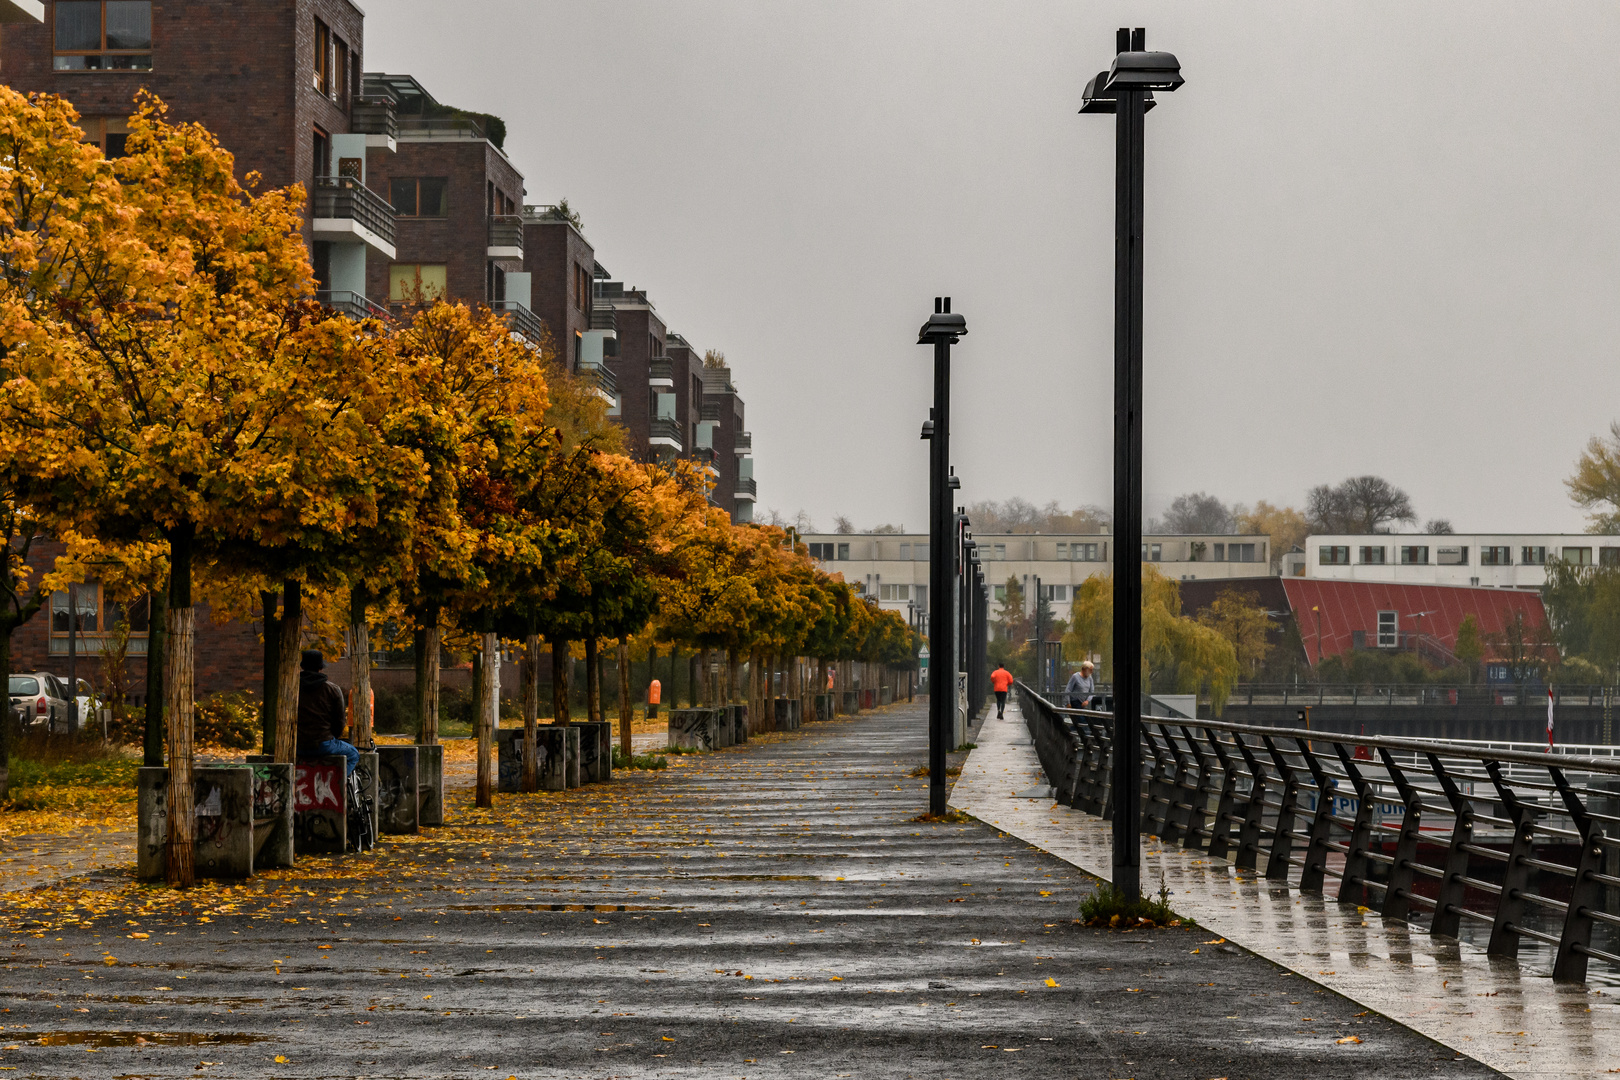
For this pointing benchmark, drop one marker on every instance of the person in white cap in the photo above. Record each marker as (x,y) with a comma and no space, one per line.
(1081,687)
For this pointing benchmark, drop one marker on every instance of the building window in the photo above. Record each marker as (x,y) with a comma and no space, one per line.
(1609,556)
(919,552)
(1237,552)
(843,552)
(321,151)
(103,35)
(1000,593)
(582,288)
(1333,554)
(1088,552)
(1533,556)
(1495,556)
(894,592)
(1387,636)
(98,621)
(1059,593)
(415,282)
(921,593)
(1451,556)
(109,133)
(1578,556)
(1152,552)
(1372,555)
(1414,555)
(997,552)
(340,72)
(420,196)
(820,552)
(323,58)
(1220,553)
(1062,551)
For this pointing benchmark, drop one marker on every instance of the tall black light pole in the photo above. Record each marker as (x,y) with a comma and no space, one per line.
(942,330)
(1126,90)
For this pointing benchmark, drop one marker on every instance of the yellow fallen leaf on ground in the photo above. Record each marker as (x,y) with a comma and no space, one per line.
(1051,982)
(836,978)
(281,1059)
(1348,1039)
(668,1039)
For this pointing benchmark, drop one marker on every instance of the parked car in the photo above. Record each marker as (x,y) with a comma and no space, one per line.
(40,701)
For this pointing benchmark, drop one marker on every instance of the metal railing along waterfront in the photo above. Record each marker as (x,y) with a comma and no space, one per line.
(1481,839)
(1418,694)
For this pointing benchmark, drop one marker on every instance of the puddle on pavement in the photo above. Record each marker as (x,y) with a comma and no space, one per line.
(555,907)
(100,1039)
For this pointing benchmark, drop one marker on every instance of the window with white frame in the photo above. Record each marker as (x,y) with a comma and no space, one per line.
(899,593)
(1055,593)
(1388,637)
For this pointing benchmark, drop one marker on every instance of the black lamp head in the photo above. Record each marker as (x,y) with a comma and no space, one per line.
(1095,99)
(954,483)
(928,429)
(942,325)
(1144,71)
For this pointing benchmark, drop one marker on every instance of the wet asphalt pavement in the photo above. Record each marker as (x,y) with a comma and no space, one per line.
(764,911)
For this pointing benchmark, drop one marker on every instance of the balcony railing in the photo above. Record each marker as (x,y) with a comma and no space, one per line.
(661,369)
(746,486)
(523,320)
(704,455)
(601,378)
(603,317)
(345,197)
(506,234)
(745,442)
(666,432)
(455,127)
(373,116)
(352,304)
(713,410)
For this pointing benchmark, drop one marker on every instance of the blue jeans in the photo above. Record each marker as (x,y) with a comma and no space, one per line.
(338,747)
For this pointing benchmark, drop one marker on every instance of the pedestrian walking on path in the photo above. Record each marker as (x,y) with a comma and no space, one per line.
(1081,687)
(1000,680)
(322,716)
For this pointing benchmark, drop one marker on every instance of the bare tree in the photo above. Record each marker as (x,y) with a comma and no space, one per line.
(1361,504)
(1017,515)
(843,526)
(1195,512)
(1438,527)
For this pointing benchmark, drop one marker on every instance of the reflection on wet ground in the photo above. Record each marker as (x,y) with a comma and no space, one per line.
(1507,1013)
(147,1038)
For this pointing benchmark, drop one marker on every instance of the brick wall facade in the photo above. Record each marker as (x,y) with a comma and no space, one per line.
(551,252)
(639,327)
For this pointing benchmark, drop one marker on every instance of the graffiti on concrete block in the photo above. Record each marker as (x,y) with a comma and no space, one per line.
(318,787)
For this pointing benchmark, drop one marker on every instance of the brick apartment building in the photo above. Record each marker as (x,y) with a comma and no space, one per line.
(406,194)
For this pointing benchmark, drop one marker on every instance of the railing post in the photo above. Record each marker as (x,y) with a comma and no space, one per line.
(1447,908)
(1156,818)
(1282,840)
(1183,789)
(1586,895)
(1248,853)
(1220,833)
(1316,852)
(1198,823)
(1516,876)
(1095,763)
(1398,897)
(1105,735)
(1356,862)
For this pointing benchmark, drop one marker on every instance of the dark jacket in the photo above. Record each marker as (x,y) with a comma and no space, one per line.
(321,711)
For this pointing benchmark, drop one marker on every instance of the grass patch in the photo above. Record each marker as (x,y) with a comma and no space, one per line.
(1110,907)
(639,761)
(682,750)
(966,746)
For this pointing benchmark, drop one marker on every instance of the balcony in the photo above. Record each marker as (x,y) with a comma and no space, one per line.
(506,236)
(706,457)
(600,379)
(665,434)
(745,442)
(661,373)
(747,490)
(440,127)
(348,212)
(352,304)
(523,321)
(713,410)
(374,117)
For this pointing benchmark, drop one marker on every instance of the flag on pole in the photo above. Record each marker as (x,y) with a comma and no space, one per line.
(1549,718)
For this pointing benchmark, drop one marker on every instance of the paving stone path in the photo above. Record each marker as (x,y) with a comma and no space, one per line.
(764,911)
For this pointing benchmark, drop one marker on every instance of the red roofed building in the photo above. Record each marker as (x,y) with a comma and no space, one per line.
(1335,617)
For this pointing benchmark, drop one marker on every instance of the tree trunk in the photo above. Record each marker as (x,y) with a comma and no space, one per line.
(8,719)
(693,697)
(531,712)
(360,671)
(292,633)
(180,851)
(269,677)
(593,679)
(157,639)
(430,695)
(562,662)
(731,675)
(672,691)
(626,708)
(485,665)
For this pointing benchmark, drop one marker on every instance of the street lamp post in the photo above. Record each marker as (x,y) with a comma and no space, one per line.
(942,330)
(1125,90)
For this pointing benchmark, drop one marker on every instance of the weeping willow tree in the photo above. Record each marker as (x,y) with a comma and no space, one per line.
(1179,654)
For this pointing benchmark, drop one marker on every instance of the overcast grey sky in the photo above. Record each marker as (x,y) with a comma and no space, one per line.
(1381,237)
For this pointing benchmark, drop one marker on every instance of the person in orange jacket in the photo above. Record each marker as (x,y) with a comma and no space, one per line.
(1000,681)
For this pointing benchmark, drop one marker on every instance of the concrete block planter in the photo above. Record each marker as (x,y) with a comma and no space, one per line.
(366,770)
(869,699)
(851,702)
(885,695)
(824,707)
(571,756)
(787,715)
(399,790)
(595,750)
(430,784)
(738,715)
(724,734)
(551,748)
(243,813)
(694,729)
(509,746)
(320,806)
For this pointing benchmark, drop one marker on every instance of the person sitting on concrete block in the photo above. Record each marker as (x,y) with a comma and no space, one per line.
(322,717)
